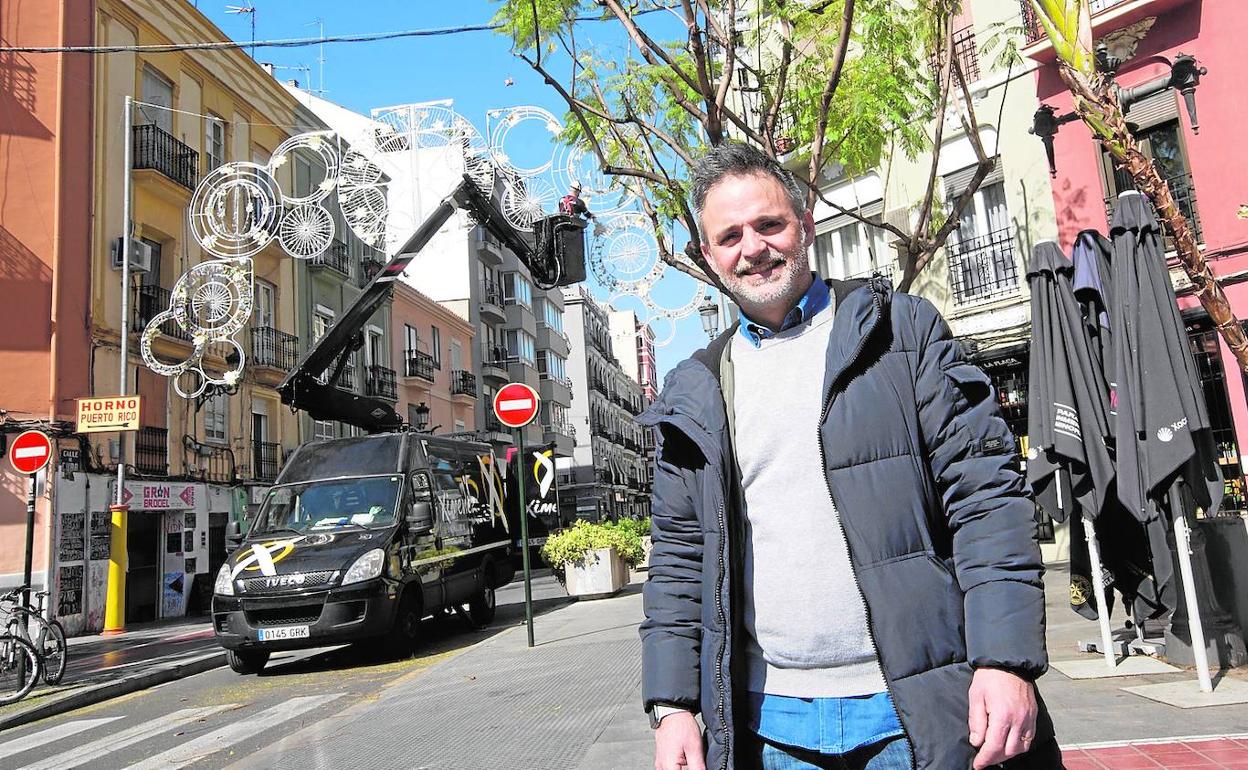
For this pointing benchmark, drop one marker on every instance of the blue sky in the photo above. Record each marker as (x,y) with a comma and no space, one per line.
(470,68)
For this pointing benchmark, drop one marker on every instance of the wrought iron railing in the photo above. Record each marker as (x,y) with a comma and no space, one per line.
(369,267)
(982,267)
(1034,30)
(346,380)
(157,149)
(493,425)
(495,355)
(966,52)
(491,292)
(151,451)
(336,257)
(1184,195)
(463,383)
(418,364)
(209,462)
(380,383)
(150,301)
(265,460)
(270,347)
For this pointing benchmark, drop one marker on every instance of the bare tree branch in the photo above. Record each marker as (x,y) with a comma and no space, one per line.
(825,100)
(946,77)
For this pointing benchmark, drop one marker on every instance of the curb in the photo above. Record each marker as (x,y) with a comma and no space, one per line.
(91,695)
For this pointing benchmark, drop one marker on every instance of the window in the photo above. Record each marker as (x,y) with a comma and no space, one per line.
(521,346)
(552,365)
(852,250)
(435,346)
(550,315)
(214,142)
(411,338)
(982,264)
(264,304)
(321,322)
(216,418)
(157,92)
(322,429)
(517,290)
(457,355)
(303,176)
(1163,144)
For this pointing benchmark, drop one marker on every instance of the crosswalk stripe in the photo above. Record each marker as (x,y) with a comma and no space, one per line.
(92,751)
(181,756)
(35,740)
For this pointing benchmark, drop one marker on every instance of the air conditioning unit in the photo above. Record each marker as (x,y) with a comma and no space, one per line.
(140,256)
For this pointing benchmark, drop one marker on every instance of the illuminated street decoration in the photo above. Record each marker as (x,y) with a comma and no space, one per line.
(306,231)
(235,210)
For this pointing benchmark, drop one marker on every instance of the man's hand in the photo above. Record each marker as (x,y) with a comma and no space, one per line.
(678,743)
(1003,716)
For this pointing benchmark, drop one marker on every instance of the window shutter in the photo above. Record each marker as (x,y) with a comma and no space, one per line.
(956,182)
(1154,109)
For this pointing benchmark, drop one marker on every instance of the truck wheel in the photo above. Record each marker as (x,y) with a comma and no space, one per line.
(406,630)
(481,607)
(247,661)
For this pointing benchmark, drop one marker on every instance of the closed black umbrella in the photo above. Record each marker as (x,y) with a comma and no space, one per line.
(1162,432)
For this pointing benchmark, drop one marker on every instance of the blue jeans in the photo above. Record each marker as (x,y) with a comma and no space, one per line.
(888,754)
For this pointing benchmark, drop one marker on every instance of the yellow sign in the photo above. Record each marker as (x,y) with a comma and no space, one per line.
(108,414)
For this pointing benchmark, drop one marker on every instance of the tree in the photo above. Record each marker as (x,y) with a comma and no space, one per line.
(812,83)
(1068,23)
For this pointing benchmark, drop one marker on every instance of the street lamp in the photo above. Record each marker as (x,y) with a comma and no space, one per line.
(422,417)
(710,317)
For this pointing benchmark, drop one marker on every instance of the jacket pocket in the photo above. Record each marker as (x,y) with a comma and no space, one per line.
(916,614)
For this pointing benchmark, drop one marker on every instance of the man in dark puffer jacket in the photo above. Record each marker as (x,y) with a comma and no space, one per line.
(888,615)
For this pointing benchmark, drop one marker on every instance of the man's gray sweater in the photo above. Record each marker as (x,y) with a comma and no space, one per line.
(806,625)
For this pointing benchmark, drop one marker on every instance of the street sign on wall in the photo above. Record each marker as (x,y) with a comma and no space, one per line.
(30,451)
(516,404)
(110,413)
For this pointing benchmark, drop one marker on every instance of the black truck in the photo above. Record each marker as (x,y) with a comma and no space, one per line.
(361,538)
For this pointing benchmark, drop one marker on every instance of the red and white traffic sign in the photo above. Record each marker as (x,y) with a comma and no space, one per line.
(516,404)
(30,451)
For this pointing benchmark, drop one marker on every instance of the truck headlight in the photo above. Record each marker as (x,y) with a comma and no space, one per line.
(367,567)
(224,585)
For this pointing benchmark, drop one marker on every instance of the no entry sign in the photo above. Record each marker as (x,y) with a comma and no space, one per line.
(516,404)
(30,451)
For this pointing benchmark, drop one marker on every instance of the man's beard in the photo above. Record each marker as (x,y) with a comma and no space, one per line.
(778,287)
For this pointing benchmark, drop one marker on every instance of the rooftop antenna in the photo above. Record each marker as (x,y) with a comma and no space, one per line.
(320,59)
(249,9)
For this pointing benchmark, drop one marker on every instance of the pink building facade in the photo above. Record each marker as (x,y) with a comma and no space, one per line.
(1207,170)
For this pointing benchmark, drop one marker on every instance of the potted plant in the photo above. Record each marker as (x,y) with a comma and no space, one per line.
(640,528)
(592,560)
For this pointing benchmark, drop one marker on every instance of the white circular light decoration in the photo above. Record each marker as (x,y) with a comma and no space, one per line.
(626,248)
(324,144)
(163,325)
(601,193)
(437,126)
(504,121)
(526,201)
(365,211)
(358,171)
(235,210)
(213,300)
(306,231)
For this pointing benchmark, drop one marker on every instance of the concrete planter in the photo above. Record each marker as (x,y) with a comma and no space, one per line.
(602,574)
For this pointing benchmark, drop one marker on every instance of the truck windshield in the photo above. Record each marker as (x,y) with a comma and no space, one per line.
(325,506)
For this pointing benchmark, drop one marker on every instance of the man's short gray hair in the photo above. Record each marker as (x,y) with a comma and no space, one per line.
(738,159)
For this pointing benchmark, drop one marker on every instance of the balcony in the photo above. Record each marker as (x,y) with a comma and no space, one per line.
(337,258)
(369,268)
(489,248)
(149,301)
(1107,16)
(380,383)
(273,348)
(158,150)
(151,451)
(264,460)
(418,364)
(1034,30)
(463,383)
(983,267)
(1184,197)
(492,424)
(346,380)
(494,362)
(209,462)
(492,309)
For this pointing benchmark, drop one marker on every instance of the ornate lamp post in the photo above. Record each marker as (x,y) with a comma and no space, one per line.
(710,317)
(422,417)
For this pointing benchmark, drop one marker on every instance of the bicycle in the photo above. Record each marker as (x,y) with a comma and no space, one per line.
(49,642)
(20,668)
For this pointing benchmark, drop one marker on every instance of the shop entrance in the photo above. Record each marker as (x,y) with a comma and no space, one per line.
(143,576)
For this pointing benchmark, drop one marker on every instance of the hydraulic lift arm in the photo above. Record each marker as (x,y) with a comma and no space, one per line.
(311,385)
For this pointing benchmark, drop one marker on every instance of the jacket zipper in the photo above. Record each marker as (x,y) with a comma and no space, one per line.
(823,415)
(723,624)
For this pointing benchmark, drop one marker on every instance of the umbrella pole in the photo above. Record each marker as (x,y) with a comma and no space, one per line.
(1183,542)
(1098,588)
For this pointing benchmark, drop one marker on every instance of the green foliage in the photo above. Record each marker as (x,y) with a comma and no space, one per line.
(574,544)
(638,527)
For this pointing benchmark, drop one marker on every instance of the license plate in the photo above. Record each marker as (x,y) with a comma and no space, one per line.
(283,632)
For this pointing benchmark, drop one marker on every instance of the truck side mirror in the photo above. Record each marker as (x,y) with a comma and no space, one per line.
(420,517)
(234,534)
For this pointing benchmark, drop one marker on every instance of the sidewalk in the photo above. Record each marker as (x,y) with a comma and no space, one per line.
(103,667)
(574,701)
